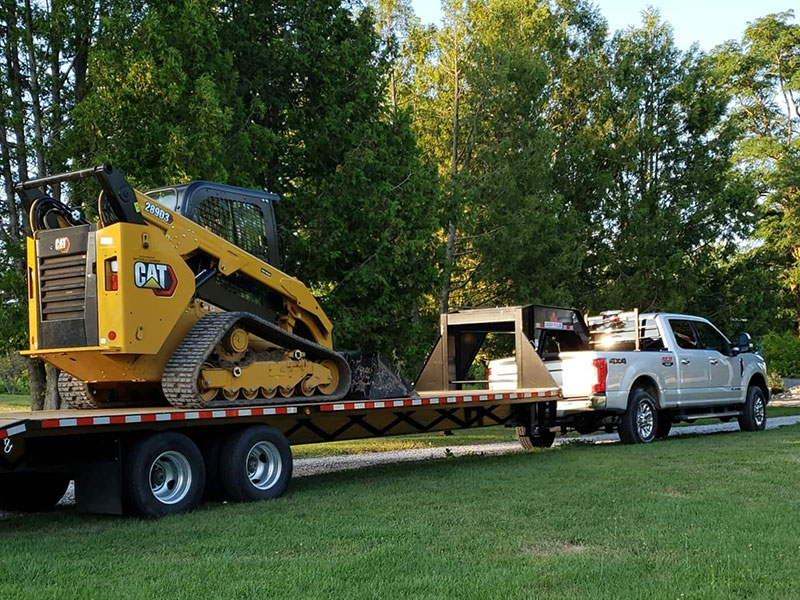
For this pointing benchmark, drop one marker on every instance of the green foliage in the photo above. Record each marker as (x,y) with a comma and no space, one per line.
(782,353)
(158,102)
(676,203)
(762,73)
(360,204)
(516,153)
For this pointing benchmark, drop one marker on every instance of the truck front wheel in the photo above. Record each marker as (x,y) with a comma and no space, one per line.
(639,424)
(754,416)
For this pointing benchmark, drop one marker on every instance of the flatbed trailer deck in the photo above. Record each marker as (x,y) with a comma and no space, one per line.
(161,460)
(90,446)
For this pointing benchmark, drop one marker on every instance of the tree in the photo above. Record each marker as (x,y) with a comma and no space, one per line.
(762,72)
(359,203)
(157,99)
(42,50)
(676,202)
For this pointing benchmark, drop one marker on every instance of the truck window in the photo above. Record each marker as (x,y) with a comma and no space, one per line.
(240,223)
(711,339)
(684,334)
(651,336)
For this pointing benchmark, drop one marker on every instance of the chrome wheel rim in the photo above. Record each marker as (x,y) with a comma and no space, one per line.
(170,477)
(264,465)
(644,420)
(759,410)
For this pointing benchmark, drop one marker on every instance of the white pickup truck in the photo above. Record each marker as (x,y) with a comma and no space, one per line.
(641,380)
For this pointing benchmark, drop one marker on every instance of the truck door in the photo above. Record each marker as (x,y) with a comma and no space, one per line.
(725,377)
(692,363)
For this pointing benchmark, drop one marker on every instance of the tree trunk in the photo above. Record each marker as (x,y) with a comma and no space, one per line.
(52,401)
(444,302)
(36,379)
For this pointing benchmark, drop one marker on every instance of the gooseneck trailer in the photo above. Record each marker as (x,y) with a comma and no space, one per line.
(159,460)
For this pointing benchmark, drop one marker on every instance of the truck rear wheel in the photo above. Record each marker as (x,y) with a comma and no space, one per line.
(537,439)
(255,464)
(639,424)
(754,416)
(163,474)
(31,492)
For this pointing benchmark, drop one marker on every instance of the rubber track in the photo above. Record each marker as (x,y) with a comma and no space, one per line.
(75,393)
(182,372)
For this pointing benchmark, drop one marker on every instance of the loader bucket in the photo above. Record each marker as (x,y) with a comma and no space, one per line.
(373,379)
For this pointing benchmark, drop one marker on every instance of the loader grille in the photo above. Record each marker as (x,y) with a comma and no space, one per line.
(67,287)
(62,281)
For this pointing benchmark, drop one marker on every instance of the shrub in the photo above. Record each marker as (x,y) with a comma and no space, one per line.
(782,353)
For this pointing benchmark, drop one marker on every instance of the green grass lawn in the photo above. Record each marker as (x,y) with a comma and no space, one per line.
(12,402)
(700,517)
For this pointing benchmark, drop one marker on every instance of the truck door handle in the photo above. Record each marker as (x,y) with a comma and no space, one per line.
(685,361)
(713,361)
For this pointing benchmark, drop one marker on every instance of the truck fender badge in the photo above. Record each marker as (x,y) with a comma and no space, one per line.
(158,212)
(155,276)
(61,244)
(617,361)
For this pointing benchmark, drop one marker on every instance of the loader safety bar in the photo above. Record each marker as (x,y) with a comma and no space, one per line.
(116,190)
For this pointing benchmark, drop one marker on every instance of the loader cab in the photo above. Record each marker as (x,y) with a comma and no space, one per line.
(246,218)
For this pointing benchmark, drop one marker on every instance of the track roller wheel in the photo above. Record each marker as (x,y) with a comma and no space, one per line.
(249,394)
(286,392)
(269,392)
(330,387)
(305,389)
(229,395)
(207,394)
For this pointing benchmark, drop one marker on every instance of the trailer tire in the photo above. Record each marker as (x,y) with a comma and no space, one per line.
(163,474)
(639,424)
(211,449)
(754,416)
(31,492)
(256,464)
(539,439)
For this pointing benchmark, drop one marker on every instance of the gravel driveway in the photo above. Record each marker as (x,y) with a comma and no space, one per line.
(304,467)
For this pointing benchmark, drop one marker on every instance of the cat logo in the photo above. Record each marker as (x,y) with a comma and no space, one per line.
(155,276)
(62,245)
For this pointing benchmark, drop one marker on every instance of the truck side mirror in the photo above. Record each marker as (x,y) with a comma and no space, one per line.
(743,343)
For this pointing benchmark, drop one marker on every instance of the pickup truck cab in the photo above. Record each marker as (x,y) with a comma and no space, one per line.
(641,380)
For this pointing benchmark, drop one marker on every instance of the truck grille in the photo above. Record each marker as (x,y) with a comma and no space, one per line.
(62,282)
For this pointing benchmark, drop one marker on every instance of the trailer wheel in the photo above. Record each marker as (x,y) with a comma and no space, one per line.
(163,474)
(538,439)
(639,424)
(31,492)
(256,464)
(754,416)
